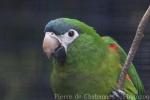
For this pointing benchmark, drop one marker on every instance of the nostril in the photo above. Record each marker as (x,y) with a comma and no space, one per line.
(51,33)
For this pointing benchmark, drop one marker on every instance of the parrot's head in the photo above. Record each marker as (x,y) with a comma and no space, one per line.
(61,33)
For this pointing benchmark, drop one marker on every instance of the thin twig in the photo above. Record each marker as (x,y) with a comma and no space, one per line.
(134,47)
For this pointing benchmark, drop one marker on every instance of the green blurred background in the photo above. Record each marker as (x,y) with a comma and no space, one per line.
(25,70)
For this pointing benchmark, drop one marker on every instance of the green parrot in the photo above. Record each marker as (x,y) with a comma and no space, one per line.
(86,65)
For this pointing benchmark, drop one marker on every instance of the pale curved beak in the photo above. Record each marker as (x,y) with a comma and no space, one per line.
(50,43)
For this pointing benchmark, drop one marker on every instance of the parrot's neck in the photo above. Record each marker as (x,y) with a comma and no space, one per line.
(82,59)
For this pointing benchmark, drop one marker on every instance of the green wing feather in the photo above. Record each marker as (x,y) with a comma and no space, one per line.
(132,71)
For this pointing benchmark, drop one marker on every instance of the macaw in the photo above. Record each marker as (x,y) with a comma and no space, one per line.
(86,65)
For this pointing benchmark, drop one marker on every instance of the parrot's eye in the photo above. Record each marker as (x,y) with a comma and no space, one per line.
(71,33)
(68,37)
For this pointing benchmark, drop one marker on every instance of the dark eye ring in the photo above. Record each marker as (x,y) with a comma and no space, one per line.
(71,33)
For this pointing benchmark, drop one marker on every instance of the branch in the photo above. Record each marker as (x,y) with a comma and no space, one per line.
(134,47)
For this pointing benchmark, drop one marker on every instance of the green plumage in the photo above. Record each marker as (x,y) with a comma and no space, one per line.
(91,68)
(132,71)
